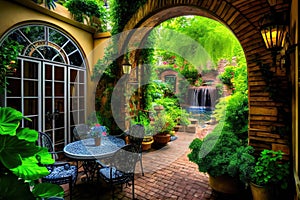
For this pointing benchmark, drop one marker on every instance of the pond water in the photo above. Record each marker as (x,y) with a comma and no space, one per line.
(201,113)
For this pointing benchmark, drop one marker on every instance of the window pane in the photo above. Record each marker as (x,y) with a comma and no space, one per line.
(34,33)
(31,106)
(81,103)
(69,48)
(73,75)
(57,37)
(14,87)
(81,117)
(30,88)
(33,124)
(48,89)
(59,89)
(75,59)
(30,70)
(59,73)
(48,72)
(81,90)
(81,76)
(14,103)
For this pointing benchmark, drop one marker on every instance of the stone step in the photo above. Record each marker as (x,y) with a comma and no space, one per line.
(191,128)
(193,121)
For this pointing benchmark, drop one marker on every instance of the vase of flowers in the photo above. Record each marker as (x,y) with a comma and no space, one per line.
(97,132)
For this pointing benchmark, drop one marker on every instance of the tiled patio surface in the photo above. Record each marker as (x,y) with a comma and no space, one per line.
(168,175)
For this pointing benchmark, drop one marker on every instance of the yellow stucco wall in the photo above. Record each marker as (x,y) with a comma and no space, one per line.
(17,12)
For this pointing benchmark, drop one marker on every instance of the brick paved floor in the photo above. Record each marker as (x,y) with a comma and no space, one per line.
(168,175)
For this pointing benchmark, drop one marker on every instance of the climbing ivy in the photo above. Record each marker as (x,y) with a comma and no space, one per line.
(109,70)
(9,52)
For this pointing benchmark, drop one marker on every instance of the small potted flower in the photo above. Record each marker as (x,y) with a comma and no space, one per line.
(97,132)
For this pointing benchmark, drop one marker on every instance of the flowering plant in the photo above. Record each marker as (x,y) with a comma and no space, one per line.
(98,131)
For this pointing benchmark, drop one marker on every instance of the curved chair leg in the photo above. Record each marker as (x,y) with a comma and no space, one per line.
(141,163)
(70,189)
(132,188)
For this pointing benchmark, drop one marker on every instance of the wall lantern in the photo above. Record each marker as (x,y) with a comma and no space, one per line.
(126,66)
(273,29)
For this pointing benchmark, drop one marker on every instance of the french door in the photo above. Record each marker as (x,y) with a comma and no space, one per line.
(51,95)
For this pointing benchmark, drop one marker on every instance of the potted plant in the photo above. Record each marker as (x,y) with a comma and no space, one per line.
(144,120)
(88,11)
(269,173)
(163,124)
(218,154)
(22,162)
(97,132)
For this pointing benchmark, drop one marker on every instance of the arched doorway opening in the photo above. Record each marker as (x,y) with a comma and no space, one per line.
(243,20)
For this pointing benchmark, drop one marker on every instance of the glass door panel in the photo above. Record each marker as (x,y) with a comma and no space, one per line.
(77,97)
(54,104)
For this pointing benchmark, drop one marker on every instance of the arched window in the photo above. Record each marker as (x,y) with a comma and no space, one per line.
(49,85)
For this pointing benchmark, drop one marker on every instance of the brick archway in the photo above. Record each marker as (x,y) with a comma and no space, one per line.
(242,18)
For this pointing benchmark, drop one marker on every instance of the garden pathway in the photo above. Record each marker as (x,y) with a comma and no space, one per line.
(168,175)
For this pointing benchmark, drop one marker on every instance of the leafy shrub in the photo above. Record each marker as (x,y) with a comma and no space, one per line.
(219,153)
(270,169)
(90,8)
(227,75)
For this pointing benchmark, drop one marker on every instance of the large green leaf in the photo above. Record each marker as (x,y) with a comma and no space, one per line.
(44,157)
(9,120)
(30,169)
(14,188)
(27,134)
(46,190)
(12,150)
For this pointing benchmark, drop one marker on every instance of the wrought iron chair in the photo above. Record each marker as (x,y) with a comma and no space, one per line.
(136,135)
(80,132)
(121,168)
(60,172)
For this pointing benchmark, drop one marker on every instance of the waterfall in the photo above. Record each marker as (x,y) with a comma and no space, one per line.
(203,96)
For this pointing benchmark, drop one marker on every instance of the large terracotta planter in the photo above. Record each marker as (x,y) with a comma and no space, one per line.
(259,192)
(162,139)
(224,184)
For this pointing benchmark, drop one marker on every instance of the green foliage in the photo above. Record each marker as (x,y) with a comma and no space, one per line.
(219,153)
(270,169)
(122,11)
(217,40)
(233,109)
(143,119)
(155,91)
(22,162)
(163,123)
(227,75)
(9,52)
(88,8)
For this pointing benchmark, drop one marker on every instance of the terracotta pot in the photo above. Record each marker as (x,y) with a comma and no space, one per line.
(224,184)
(97,141)
(147,145)
(162,139)
(259,192)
